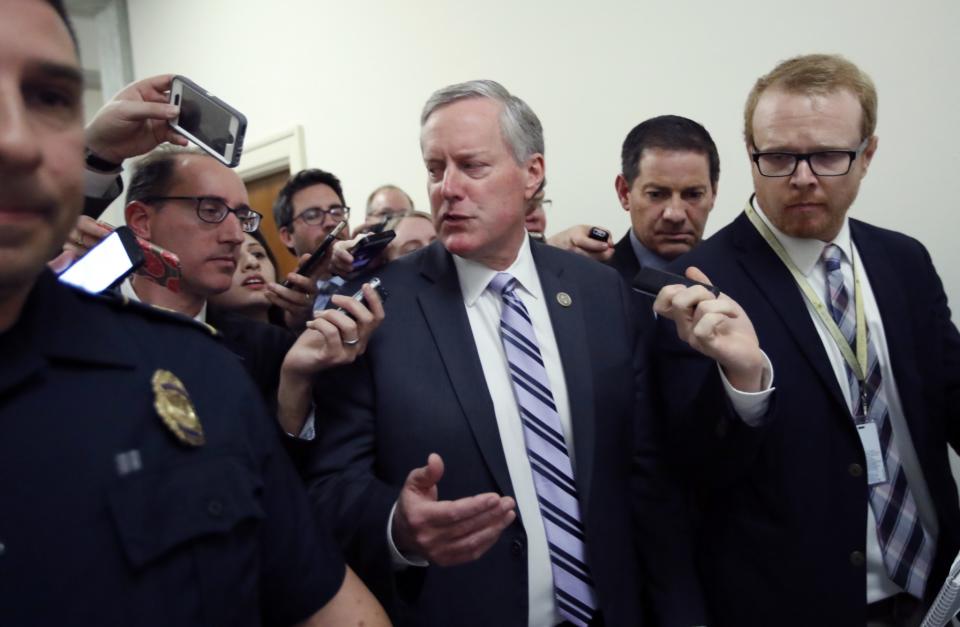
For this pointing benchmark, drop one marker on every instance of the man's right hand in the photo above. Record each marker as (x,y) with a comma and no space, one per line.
(577,239)
(134,121)
(447,533)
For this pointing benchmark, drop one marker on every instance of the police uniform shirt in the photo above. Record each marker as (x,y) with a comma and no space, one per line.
(107,517)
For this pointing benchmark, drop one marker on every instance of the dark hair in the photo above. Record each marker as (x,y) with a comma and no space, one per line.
(154,174)
(57,6)
(258,235)
(283,205)
(668,132)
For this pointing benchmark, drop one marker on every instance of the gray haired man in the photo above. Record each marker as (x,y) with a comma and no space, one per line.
(482,462)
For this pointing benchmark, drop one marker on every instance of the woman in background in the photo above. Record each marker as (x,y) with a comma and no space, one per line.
(256,267)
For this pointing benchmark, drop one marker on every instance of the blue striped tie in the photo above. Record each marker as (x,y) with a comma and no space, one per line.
(907,547)
(549,460)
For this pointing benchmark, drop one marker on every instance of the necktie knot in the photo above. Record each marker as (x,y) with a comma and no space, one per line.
(502,284)
(832,255)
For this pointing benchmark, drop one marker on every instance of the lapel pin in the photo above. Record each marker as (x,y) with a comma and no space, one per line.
(172,403)
(564,299)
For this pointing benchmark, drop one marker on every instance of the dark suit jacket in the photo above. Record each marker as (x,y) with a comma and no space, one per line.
(624,259)
(420,389)
(784,505)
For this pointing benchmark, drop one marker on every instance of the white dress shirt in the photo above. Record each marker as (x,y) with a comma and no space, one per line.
(805,254)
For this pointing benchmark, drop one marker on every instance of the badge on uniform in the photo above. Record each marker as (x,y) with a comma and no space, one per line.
(172,403)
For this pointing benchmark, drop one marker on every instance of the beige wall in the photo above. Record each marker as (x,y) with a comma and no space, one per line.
(355,75)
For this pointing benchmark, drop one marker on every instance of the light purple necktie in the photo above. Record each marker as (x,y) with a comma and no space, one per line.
(549,460)
(907,547)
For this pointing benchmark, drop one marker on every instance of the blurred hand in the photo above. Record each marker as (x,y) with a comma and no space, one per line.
(717,327)
(576,239)
(134,121)
(86,234)
(447,533)
(297,300)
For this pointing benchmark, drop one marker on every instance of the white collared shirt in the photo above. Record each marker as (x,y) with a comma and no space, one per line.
(483,311)
(805,254)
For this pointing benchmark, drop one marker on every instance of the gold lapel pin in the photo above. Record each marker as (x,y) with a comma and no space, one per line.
(172,403)
(564,299)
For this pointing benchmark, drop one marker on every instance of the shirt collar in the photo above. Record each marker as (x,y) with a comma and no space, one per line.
(475,277)
(646,257)
(804,252)
(126,288)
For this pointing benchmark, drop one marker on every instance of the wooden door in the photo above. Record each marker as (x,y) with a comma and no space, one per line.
(263,191)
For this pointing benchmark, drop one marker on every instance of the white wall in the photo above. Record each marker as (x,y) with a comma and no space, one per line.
(355,75)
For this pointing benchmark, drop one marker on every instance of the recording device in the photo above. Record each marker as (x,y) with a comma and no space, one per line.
(377,285)
(311,264)
(369,248)
(650,281)
(598,234)
(207,121)
(106,264)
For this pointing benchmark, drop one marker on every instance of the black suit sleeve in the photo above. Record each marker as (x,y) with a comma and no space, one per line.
(340,472)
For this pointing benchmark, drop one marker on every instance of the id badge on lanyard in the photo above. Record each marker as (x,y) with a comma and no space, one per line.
(870,440)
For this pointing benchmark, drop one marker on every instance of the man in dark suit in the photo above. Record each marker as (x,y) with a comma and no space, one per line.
(839,507)
(668,181)
(511,369)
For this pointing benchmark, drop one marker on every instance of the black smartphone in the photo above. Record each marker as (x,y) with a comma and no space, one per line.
(311,264)
(369,248)
(650,281)
(107,263)
(207,121)
(601,235)
(376,284)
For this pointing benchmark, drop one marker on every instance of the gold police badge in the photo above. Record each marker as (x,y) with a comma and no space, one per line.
(172,403)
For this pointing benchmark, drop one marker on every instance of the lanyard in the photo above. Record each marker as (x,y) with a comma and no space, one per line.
(857,362)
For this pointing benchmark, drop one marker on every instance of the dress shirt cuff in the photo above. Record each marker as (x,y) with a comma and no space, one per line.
(400,561)
(751,406)
(100,184)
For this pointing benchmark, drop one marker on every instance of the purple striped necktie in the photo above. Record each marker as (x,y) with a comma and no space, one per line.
(907,547)
(547,450)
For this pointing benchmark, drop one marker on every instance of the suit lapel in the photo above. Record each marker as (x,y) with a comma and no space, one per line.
(776,284)
(570,331)
(895,312)
(446,316)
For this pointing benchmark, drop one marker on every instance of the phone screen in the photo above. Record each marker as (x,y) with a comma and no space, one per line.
(104,265)
(204,119)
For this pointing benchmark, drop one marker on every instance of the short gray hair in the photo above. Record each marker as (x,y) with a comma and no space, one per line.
(519,125)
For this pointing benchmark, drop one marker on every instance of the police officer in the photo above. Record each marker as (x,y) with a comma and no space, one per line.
(141,482)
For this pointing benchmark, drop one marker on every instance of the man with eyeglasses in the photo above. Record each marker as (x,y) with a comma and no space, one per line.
(838,507)
(384,204)
(306,210)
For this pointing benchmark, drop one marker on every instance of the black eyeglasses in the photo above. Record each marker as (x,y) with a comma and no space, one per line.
(316,215)
(214,210)
(822,163)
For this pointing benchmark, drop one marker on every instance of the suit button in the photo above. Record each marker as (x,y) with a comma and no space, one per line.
(857,558)
(516,547)
(215,508)
(855,470)
(3,549)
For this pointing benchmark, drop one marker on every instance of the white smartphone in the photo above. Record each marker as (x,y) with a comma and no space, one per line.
(107,263)
(208,121)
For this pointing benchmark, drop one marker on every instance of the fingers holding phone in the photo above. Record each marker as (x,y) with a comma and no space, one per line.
(86,234)
(583,239)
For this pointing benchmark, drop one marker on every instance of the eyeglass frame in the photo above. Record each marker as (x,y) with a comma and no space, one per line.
(258,217)
(321,211)
(806,156)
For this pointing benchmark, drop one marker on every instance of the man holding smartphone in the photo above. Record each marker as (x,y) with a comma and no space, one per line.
(171,479)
